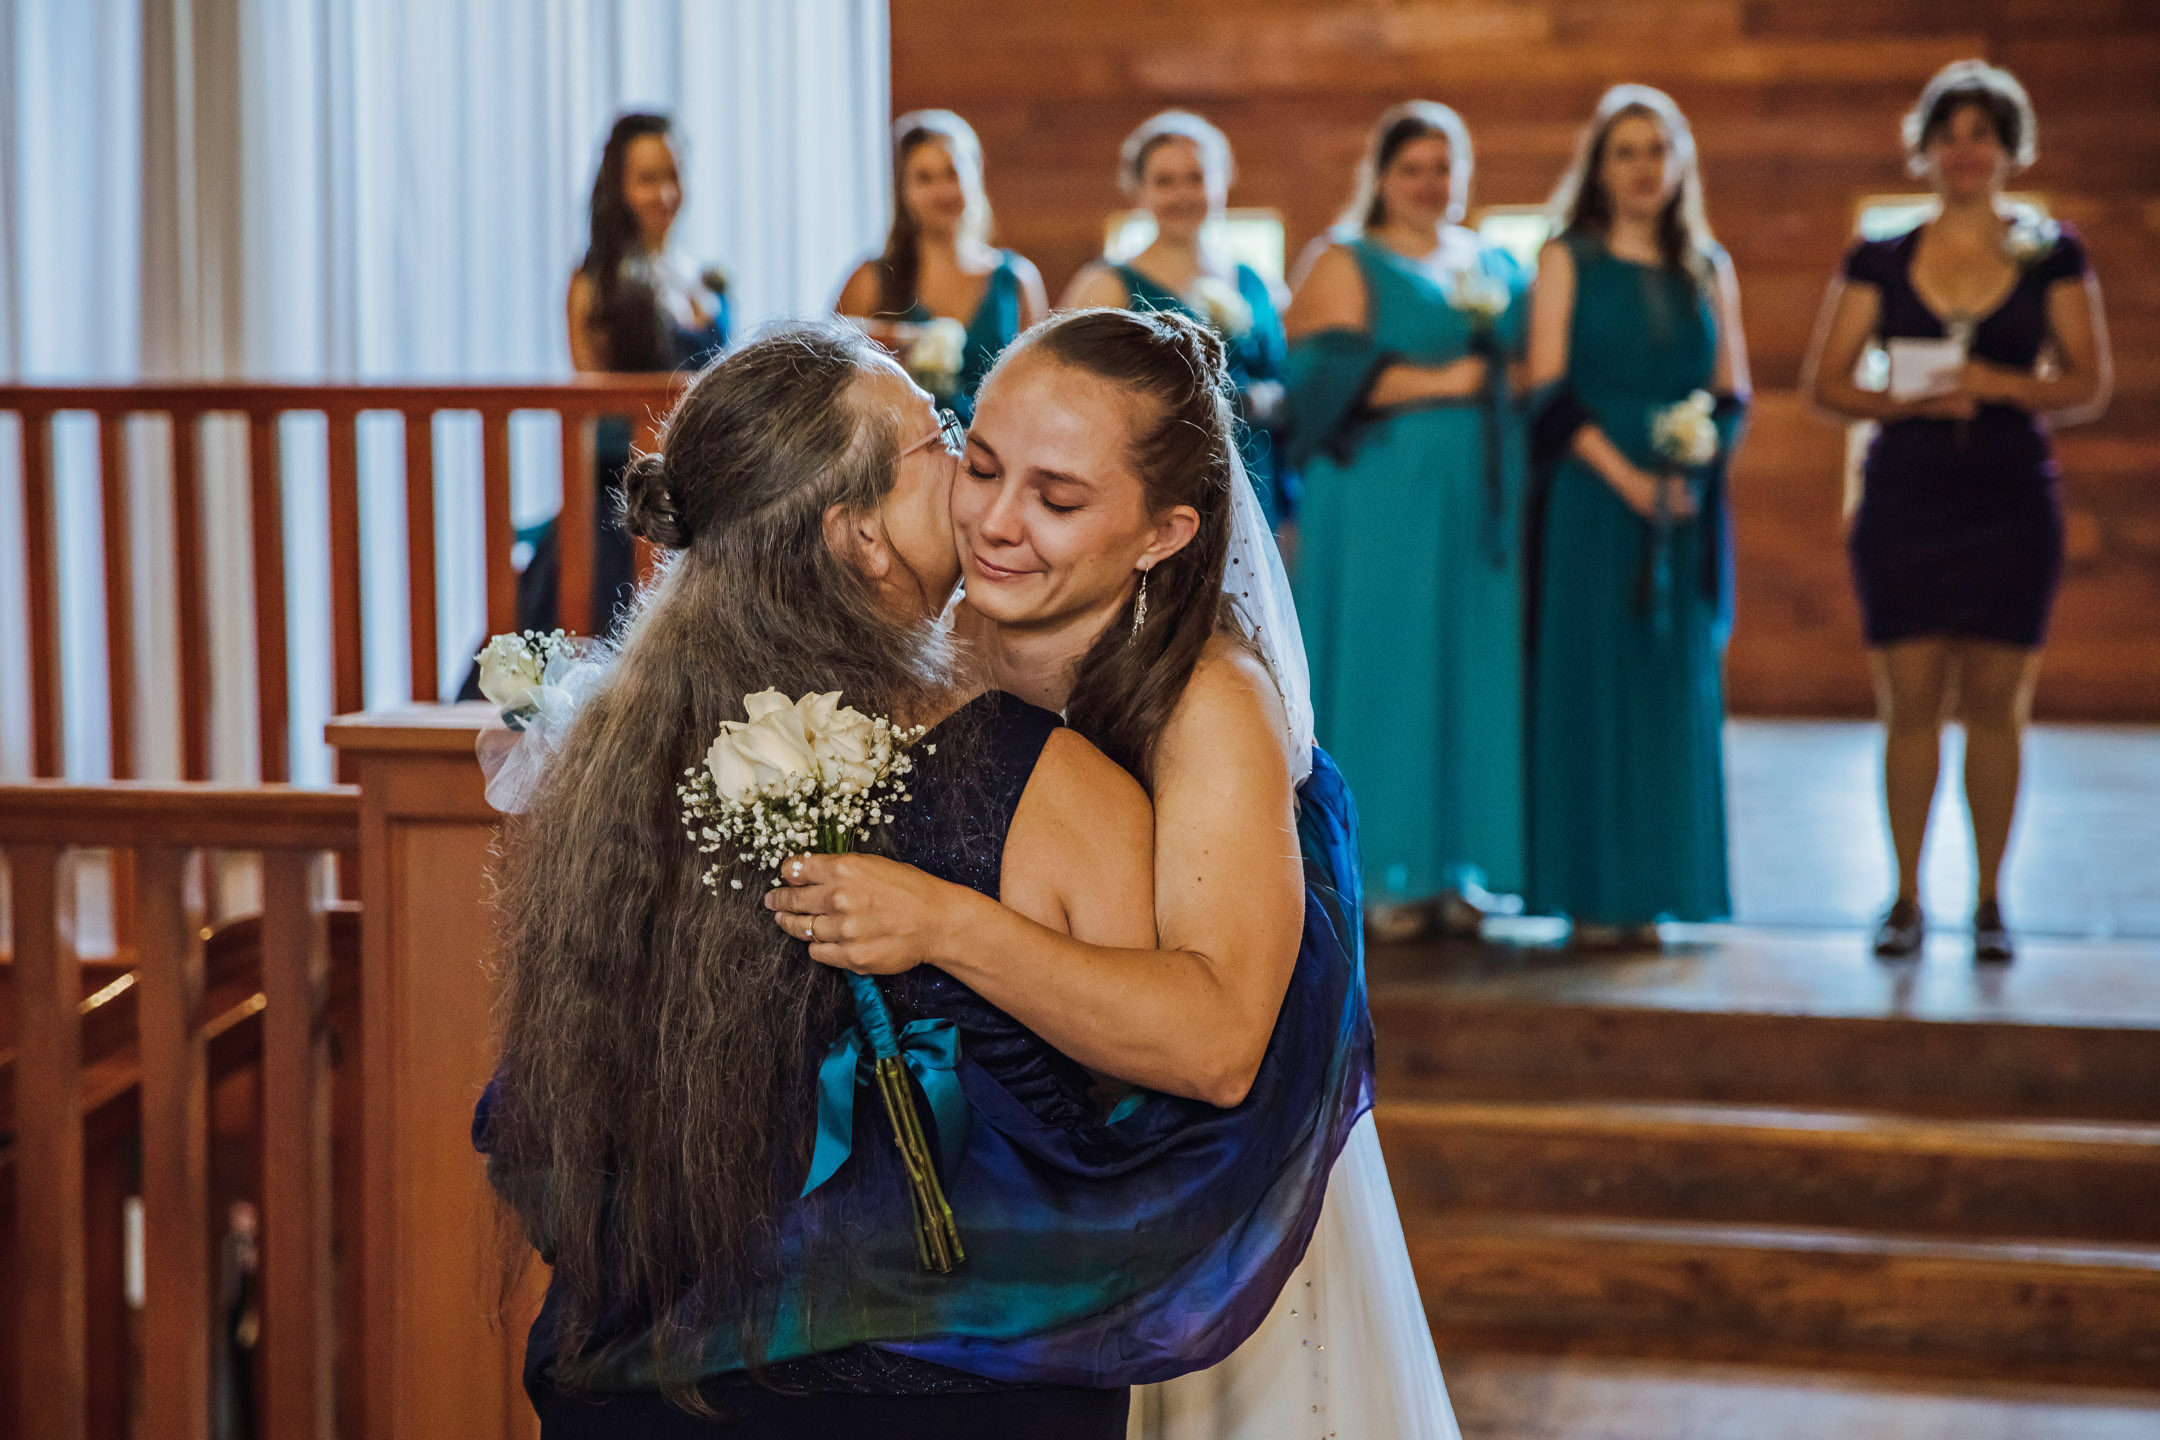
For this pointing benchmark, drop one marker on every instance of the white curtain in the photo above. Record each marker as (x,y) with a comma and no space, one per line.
(371,189)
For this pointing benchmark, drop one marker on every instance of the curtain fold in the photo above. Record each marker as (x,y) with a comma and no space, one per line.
(373,189)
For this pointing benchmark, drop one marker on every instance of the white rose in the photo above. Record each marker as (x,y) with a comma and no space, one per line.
(845,745)
(2032,235)
(771,748)
(1686,433)
(938,352)
(1227,310)
(509,673)
(765,702)
(1479,294)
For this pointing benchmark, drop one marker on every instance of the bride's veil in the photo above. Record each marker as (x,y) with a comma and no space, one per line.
(1259,591)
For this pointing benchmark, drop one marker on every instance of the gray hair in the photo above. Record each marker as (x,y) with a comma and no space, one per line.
(638,1007)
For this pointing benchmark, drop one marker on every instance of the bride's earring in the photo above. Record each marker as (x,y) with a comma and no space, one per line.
(1139,605)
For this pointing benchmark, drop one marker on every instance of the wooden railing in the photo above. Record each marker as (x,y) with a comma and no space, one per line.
(641,399)
(163,829)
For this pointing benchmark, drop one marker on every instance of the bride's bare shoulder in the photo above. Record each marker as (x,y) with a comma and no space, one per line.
(1231,714)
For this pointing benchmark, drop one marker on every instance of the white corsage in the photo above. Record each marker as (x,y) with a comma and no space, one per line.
(1483,297)
(1684,433)
(1226,310)
(940,349)
(2031,236)
(537,681)
(797,777)
(518,670)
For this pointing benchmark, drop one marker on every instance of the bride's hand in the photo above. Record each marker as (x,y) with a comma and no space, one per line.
(865,913)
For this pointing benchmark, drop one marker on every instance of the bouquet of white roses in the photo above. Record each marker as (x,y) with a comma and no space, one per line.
(938,352)
(1684,432)
(812,777)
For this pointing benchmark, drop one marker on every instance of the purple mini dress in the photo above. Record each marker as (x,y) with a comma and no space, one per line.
(1959,532)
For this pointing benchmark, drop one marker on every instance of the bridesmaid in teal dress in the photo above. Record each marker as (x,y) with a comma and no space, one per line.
(940,296)
(1409,572)
(1636,310)
(1178,168)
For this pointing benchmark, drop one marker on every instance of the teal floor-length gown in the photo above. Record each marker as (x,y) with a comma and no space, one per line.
(1408,584)
(1627,706)
(1256,353)
(989,330)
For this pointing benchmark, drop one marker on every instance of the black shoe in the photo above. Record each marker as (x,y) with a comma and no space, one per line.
(1902,930)
(1991,938)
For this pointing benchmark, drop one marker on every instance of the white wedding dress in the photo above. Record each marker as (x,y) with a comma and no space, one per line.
(1344,1355)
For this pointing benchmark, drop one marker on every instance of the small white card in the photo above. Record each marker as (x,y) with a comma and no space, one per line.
(1919,368)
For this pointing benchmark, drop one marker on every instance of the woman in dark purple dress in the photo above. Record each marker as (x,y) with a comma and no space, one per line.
(1993,329)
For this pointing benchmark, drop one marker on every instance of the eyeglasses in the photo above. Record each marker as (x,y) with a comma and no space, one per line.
(949,430)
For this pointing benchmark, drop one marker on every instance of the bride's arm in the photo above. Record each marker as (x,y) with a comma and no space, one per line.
(1191,1016)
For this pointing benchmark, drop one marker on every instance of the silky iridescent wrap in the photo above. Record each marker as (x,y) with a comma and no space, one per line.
(1102,1251)
(1099,1253)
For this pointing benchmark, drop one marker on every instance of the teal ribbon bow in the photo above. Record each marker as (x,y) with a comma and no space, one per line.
(930,1049)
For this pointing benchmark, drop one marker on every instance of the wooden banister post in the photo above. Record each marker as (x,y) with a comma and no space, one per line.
(420,550)
(41,568)
(297,1290)
(575,539)
(442,1362)
(119,592)
(176,1147)
(498,534)
(191,630)
(267,499)
(52,1325)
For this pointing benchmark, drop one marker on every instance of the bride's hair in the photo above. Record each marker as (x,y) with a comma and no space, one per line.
(1128,682)
(659,1037)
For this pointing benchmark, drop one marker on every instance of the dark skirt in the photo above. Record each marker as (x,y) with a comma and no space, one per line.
(1959,532)
(1039,1413)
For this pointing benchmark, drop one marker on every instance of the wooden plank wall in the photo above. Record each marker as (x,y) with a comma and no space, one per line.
(1795,104)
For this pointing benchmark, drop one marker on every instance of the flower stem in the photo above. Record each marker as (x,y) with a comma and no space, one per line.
(937,1236)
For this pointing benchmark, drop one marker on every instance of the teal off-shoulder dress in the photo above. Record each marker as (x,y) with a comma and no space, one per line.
(1408,581)
(1627,705)
(989,330)
(1256,353)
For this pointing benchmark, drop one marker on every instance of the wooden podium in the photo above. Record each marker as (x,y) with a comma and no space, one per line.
(442,1352)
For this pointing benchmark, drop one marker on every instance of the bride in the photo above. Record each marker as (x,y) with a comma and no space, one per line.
(1080,515)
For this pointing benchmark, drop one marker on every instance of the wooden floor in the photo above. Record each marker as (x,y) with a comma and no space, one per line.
(1757,1183)
(1809,846)
(1508,1397)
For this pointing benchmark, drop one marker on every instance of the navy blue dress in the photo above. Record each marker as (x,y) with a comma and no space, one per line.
(1959,531)
(956,831)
